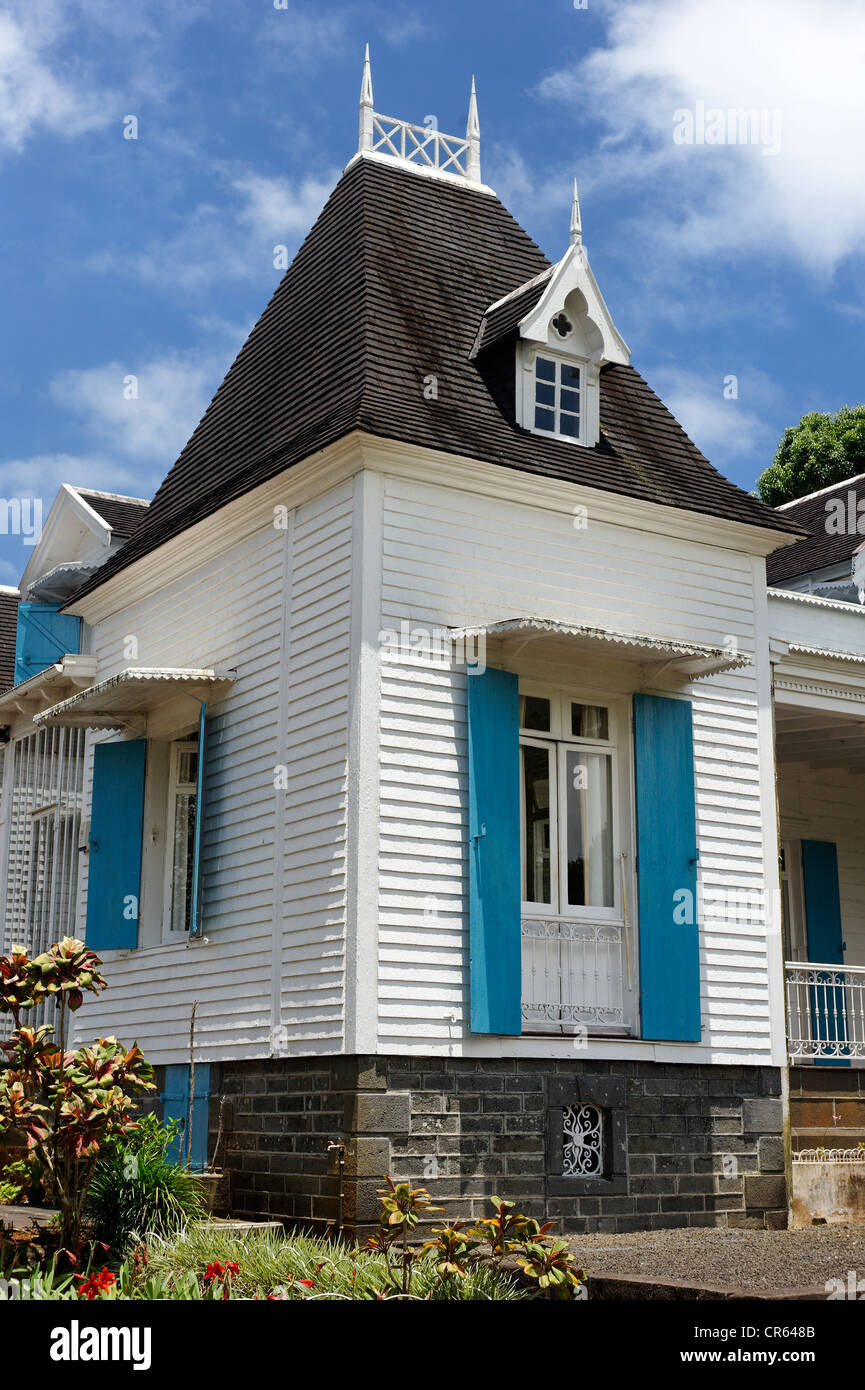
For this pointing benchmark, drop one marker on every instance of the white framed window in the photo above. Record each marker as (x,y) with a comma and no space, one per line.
(793,900)
(180,838)
(557,407)
(572,817)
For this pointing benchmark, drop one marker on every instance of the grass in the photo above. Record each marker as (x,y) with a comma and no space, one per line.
(268,1262)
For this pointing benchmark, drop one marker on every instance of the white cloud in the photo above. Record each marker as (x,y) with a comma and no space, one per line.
(38,90)
(230,242)
(802,60)
(309,37)
(406,27)
(128,443)
(725,428)
(40,475)
(140,411)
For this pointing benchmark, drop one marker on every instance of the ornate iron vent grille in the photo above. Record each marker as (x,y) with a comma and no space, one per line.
(583,1150)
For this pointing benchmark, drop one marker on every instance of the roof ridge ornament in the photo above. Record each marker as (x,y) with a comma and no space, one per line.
(424,147)
(473,138)
(576,222)
(367,115)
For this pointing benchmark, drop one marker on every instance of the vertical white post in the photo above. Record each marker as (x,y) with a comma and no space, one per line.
(473,139)
(576,221)
(364,135)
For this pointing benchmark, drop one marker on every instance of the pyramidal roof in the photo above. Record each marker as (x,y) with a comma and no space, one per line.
(391,286)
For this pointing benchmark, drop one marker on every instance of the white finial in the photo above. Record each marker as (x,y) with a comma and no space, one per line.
(365,131)
(473,139)
(576,224)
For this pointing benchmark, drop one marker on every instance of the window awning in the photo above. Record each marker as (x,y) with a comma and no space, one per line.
(691,658)
(155,701)
(44,689)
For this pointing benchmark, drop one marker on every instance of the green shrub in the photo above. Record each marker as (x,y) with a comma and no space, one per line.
(137,1190)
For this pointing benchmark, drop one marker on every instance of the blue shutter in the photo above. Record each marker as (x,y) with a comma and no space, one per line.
(667,869)
(116,826)
(196,925)
(175,1106)
(43,636)
(494,852)
(825,941)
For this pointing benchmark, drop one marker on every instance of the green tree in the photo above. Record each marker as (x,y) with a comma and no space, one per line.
(821,450)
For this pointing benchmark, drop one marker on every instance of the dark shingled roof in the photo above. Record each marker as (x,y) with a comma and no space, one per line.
(8,629)
(390,287)
(123,514)
(503,319)
(820,547)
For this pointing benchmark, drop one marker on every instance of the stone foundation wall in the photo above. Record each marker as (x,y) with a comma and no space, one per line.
(684,1145)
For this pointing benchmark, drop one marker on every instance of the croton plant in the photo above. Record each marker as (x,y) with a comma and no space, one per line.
(66,1103)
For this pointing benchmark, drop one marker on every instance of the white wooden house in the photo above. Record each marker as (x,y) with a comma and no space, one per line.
(422,734)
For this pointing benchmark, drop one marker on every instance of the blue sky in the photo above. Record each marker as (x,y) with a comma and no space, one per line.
(154,256)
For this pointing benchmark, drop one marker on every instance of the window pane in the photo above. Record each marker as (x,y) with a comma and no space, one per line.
(535,713)
(545,370)
(544,419)
(590,721)
(544,394)
(187,767)
(569,425)
(181,875)
(536,824)
(570,401)
(570,376)
(589,829)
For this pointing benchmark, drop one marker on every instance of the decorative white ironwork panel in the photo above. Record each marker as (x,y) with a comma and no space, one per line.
(46,770)
(825,1011)
(419,144)
(573,975)
(830,1155)
(583,1142)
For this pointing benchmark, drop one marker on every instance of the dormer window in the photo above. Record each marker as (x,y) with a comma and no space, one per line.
(558,389)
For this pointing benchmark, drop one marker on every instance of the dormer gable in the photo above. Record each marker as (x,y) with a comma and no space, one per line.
(565,338)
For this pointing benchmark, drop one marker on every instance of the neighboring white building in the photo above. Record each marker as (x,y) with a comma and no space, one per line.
(421,734)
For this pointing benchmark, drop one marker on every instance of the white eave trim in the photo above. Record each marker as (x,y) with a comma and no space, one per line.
(796,596)
(694,658)
(825,653)
(123,701)
(72,671)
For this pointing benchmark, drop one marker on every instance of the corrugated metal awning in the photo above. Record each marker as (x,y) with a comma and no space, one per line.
(132,698)
(692,658)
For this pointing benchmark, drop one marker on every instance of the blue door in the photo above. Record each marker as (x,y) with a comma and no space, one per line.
(116,827)
(825,944)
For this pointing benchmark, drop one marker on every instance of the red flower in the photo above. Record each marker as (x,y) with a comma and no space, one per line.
(96,1285)
(226,1272)
(308,1283)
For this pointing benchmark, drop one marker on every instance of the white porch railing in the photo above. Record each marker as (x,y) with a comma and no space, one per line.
(573,976)
(825,1011)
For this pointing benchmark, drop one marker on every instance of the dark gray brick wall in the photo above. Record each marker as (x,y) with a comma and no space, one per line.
(701,1146)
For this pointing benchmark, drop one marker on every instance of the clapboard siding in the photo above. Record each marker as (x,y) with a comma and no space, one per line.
(273,839)
(316,750)
(451,559)
(226,613)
